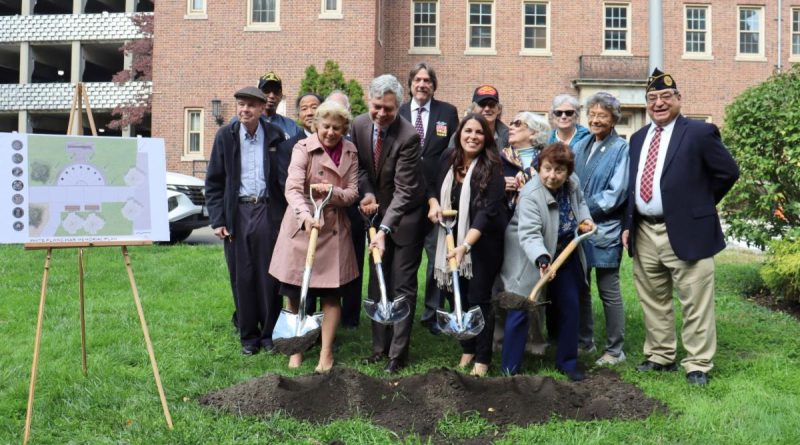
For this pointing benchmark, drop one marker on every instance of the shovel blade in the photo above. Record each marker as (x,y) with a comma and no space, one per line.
(470,325)
(387,314)
(293,335)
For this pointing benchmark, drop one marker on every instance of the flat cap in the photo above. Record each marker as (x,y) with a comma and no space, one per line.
(250,93)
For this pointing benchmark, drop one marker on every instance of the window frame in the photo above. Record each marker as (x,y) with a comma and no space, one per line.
(707,118)
(535,51)
(196,14)
(188,131)
(752,57)
(628,29)
(707,54)
(794,56)
(330,14)
(435,50)
(481,51)
(263,26)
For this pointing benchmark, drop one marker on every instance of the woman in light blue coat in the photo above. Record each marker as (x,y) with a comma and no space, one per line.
(601,163)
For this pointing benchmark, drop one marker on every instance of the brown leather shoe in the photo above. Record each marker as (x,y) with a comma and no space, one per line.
(647,365)
(394,366)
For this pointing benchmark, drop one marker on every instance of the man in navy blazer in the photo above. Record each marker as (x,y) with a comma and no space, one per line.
(435,122)
(679,172)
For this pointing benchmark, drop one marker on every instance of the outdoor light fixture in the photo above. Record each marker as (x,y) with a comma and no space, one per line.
(216,111)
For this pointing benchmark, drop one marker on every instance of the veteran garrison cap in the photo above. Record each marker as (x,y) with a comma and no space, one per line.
(660,81)
(267,78)
(250,93)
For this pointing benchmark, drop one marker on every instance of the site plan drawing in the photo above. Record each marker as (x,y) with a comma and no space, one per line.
(82,188)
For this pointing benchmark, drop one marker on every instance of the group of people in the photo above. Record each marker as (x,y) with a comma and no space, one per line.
(522,193)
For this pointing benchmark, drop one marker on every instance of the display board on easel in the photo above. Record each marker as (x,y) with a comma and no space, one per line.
(78,192)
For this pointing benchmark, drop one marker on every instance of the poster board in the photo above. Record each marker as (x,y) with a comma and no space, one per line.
(58,188)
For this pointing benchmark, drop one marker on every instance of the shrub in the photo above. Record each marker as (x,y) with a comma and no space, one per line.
(331,79)
(762,130)
(781,270)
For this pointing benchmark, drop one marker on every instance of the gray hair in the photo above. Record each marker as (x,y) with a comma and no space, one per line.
(537,124)
(332,109)
(607,101)
(383,84)
(568,98)
(336,94)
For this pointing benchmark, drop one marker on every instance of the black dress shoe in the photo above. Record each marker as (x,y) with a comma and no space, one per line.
(647,365)
(393,367)
(697,378)
(250,349)
(574,375)
(267,346)
(374,358)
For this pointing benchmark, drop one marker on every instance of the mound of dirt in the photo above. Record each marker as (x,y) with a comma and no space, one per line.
(416,403)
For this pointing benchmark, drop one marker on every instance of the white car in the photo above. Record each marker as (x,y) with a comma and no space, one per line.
(186,204)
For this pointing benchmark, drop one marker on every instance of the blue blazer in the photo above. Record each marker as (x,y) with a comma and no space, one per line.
(698,172)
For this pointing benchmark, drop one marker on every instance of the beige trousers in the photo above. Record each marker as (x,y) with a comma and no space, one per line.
(656,270)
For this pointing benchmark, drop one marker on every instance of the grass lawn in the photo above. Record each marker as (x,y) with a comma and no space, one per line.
(754,396)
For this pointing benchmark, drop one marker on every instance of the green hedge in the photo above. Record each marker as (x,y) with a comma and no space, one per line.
(781,270)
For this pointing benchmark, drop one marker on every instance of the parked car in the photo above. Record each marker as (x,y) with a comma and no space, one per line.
(186,204)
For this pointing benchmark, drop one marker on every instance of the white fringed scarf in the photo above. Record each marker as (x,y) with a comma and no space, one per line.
(441,271)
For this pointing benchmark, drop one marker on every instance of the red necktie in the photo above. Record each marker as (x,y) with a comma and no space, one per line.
(418,125)
(646,189)
(377,153)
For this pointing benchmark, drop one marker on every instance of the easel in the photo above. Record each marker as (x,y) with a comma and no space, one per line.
(78,101)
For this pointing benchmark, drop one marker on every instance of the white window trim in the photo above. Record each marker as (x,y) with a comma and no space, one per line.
(792,57)
(535,51)
(707,55)
(470,51)
(628,30)
(331,14)
(190,155)
(760,57)
(272,26)
(192,14)
(425,50)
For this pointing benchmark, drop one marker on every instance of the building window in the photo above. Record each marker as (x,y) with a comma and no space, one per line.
(535,28)
(751,32)
(796,33)
(195,9)
(425,25)
(480,27)
(193,143)
(697,31)
(331,9)
(616,28)
(263,15)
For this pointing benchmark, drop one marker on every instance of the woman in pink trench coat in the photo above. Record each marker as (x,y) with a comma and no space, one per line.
(324,157)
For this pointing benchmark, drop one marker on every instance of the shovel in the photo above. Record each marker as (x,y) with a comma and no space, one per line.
(461,325)
(512,301)
(384,311)
(295,333)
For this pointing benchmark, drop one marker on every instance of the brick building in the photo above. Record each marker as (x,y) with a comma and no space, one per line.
(530,50)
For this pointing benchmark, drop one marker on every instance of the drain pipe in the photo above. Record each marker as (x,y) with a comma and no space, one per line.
(656,30)
(780,32)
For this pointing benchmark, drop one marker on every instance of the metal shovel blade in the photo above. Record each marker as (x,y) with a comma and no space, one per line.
(387,312)
(294,334)
(470,325)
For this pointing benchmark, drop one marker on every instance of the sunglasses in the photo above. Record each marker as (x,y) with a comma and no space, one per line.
(518,124)
(568,113)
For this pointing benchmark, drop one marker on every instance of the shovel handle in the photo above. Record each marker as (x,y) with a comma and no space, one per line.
(376,253)
(449,213)
(312,246)
(451,246)
(552,270)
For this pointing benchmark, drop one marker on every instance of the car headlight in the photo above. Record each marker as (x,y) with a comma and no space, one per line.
(172,203)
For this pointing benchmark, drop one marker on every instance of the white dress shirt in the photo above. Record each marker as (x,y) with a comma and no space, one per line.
(425,116)
(655,206)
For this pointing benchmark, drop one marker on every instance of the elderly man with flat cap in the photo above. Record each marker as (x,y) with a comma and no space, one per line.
(679,172)
(241,178)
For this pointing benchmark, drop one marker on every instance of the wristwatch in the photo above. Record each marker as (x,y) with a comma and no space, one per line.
(467,247)
(385,229)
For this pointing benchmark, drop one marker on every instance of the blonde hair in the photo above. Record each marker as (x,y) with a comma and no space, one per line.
(332,108)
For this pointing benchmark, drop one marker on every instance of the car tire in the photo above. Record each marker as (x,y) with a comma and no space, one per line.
(176,236)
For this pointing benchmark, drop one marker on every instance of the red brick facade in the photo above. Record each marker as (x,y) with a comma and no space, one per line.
(198,60)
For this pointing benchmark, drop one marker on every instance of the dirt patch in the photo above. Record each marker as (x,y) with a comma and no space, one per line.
(414,404)
(772,302)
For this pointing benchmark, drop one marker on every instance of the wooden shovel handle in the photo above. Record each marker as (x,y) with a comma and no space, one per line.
(321,188)
(376,253)
(552,270)
(449,213)
(451,246)
(312,246)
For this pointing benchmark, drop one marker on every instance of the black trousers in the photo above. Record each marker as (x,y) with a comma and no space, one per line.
(351,296)
(255,292)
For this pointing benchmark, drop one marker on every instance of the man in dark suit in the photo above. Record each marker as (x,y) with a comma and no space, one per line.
(679,172)
(391,182)
(240,181)
(435,122)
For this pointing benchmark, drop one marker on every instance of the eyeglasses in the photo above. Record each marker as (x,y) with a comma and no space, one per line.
(518,124)
(665,97)
(568,113)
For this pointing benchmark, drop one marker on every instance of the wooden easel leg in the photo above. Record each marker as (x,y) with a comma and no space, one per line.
(35,365)
(83,319)
(147,337)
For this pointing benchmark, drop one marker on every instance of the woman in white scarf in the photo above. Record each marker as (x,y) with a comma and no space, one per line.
(471,181)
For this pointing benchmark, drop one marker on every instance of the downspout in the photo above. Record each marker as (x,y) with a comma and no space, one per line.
(656,38)
(780,32)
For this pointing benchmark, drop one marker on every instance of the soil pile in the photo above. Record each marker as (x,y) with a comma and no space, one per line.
(416,403)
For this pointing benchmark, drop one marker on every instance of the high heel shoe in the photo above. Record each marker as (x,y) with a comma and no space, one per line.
(323,370)
(480,370)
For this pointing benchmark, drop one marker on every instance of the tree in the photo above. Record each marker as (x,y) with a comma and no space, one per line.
(762,130)
(331,79)
(132,113)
